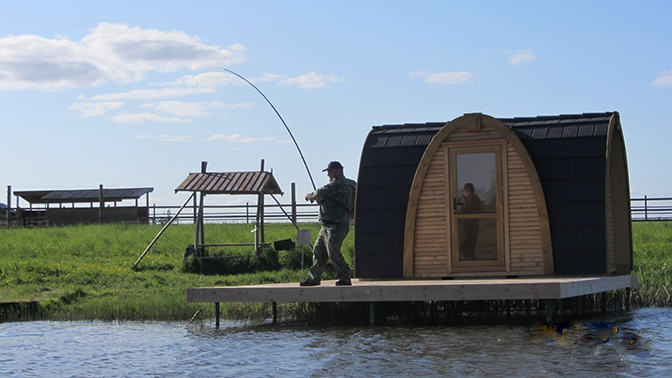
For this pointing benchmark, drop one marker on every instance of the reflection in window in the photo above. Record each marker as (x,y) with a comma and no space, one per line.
(477,239)
(477,171)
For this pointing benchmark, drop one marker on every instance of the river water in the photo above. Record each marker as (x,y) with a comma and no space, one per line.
(633,344)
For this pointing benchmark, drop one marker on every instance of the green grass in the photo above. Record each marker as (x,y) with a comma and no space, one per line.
(652,247)
(84,272)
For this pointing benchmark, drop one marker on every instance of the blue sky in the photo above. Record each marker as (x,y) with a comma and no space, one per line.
(120,93)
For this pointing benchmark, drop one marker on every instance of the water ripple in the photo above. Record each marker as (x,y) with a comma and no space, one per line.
(642,347)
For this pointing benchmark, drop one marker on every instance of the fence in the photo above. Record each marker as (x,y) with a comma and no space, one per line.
(651,209)
(642,209)
(236,213)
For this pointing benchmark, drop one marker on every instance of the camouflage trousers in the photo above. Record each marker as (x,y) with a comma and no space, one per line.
(328,247)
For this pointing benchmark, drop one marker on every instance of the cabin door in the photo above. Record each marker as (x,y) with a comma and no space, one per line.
(476,229)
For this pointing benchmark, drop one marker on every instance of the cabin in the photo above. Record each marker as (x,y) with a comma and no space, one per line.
(480,196)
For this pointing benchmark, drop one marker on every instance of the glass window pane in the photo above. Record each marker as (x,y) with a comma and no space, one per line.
(477,239)
(476,176)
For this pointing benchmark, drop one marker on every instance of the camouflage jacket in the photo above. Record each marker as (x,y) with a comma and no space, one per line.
(334,199)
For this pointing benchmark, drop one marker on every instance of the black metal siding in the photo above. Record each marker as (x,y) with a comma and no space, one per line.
(389,160)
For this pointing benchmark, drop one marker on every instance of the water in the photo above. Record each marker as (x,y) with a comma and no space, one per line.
(130,349)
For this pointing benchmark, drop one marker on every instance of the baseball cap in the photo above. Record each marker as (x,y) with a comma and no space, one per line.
(333,165)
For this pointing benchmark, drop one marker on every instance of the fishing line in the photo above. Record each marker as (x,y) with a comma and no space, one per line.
(276,112)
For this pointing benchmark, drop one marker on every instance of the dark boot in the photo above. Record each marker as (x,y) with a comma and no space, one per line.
(344,281)
(309,282)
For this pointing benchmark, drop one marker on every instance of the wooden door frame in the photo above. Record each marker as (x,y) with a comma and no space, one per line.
(451,150)
(474,122)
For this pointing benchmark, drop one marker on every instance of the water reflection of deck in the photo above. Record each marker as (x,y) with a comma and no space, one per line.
(417,290)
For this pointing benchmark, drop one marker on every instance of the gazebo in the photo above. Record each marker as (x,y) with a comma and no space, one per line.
(205,183)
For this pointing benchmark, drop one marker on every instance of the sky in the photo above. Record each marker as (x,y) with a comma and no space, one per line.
(136,93)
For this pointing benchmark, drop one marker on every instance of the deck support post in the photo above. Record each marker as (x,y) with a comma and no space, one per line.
(372,313)
(549,311)
(604,302)
(579,306)
(627,299)
(275,312)
(217,315)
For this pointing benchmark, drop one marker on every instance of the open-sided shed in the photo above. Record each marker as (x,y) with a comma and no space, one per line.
(205,183)
(59,206)
(553,198)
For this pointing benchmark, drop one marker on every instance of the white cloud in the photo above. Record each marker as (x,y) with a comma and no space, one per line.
(144,117)
(269,77)
(311,80)
(153,94)
(237,138)
(90,109)
(224,105)
(180,108)
(520,57)
(446,78)
(208,79)
(167,138)
(664,80)
(110,52)
(191,109)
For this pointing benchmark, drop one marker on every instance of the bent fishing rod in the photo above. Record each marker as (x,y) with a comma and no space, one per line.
(278,114)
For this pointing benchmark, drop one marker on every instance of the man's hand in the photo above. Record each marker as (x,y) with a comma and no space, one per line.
(308,197)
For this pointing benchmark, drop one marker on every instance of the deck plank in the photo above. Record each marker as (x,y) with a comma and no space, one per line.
(415,290)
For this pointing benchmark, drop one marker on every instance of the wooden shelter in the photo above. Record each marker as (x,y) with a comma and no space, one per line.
(553,198)
(59,206)
(205,183)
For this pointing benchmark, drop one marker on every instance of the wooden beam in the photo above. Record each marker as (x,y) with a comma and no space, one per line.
(415,290)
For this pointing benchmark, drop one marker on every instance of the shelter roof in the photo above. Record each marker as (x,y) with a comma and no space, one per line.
(82,195)
(230,183)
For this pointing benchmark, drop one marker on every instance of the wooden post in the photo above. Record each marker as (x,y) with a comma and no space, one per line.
(195,209)
(372,313)
(294,203)
(275,312)
(579,306)
(101,204)
(193,194)
(260,227)
(549,311)
(9,202)
(199,217)
(627,299)
(217,315)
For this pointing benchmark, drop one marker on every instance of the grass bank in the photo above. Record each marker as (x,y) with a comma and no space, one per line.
(84,272)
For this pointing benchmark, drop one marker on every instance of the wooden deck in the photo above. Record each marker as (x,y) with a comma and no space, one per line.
(416,290)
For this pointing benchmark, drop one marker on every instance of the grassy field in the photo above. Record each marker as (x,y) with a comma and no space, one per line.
(84,272)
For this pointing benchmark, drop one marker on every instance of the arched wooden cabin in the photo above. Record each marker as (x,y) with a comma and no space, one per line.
(551,198)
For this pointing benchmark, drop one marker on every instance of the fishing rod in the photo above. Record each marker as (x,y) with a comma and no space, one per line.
(279,116)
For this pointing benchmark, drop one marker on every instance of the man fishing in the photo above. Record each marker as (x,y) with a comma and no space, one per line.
(335,201)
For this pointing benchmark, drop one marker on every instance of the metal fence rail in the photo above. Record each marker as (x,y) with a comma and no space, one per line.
(236,213)
(642,209)
(651,209)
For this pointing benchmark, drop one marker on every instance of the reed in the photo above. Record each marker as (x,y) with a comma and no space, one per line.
(84,272)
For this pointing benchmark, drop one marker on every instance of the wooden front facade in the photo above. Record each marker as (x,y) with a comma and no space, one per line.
(552,198)
(518,222)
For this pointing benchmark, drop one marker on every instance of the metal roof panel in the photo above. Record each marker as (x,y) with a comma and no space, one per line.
(230,183)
